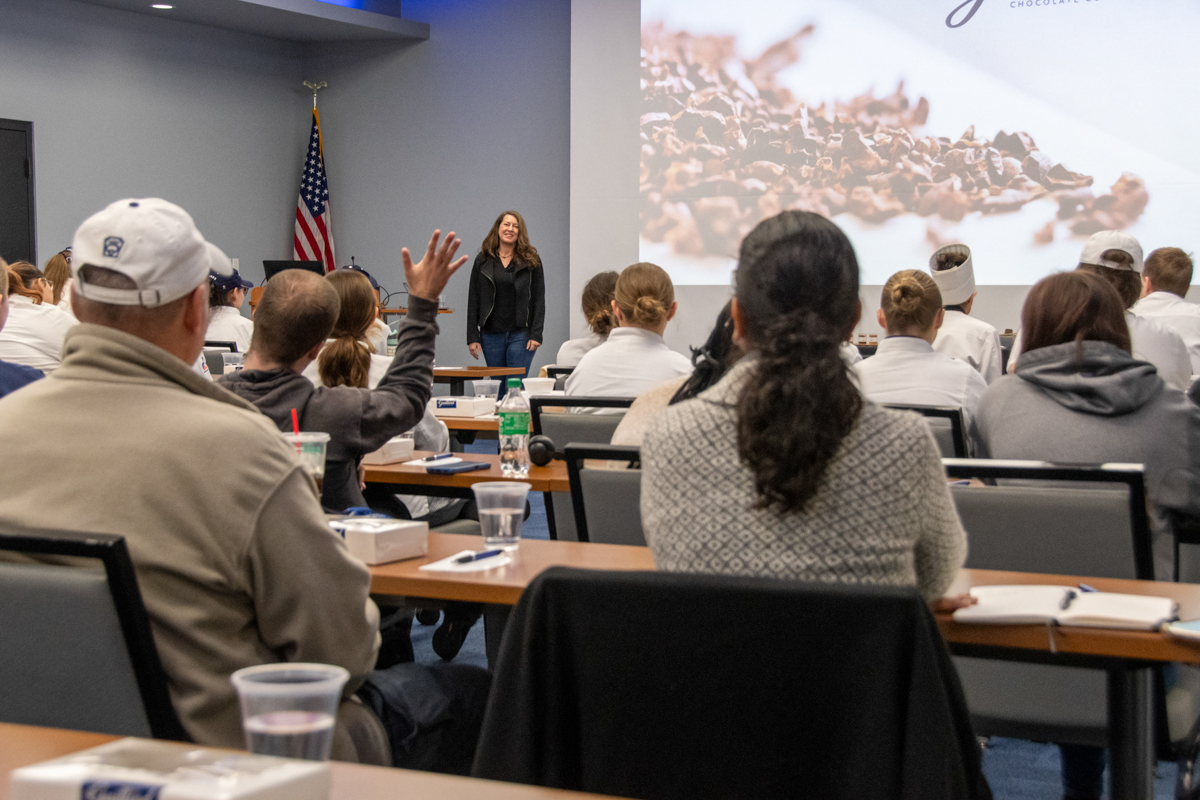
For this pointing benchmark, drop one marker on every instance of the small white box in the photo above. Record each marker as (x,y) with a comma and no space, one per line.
(462,406)
(378,541)
(136,768)
(398,448)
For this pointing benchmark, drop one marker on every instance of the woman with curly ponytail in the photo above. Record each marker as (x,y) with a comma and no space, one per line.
(782,469)
(597,311)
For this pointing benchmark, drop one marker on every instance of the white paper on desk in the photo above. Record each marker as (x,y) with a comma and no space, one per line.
(447,564)
(441,462)
(1014,605)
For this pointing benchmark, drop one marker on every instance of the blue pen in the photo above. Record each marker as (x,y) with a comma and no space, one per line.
(1083,587)
(436,457)
(467,559)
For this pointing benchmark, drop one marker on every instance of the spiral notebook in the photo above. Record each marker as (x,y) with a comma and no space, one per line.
(1066,605)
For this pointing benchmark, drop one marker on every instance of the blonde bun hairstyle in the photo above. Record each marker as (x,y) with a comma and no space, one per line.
(644,294)
(910,302)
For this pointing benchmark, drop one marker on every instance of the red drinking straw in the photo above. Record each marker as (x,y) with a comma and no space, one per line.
(295,422)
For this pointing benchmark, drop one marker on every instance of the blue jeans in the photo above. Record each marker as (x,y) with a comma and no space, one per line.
(507,350)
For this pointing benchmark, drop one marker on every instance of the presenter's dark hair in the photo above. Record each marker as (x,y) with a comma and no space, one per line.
(1075,307)
(712,359)
(797,291)
(525,253)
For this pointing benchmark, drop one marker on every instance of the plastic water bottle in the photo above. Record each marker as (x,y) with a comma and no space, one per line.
(514,432)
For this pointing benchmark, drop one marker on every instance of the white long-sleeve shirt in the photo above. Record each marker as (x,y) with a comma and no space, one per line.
(907,371)
(573,350)
(226,324)
(34,333)
(632,361)
(1174,313)
(971,340)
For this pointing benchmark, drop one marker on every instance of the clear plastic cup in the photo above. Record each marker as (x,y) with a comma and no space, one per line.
(310,447)
(486,388)
(289,710)
(233,362)
(501,512)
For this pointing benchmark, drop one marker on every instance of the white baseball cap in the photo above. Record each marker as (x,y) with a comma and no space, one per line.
(1097,243)
(956,284)
(152,242)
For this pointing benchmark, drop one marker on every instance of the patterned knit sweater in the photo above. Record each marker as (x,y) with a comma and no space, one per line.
(882,514)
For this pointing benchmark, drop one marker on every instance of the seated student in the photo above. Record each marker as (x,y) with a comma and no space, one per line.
(782,469)
(58,273)
(12,376)
(226,295)
(709,364)
(597,312)
(347,360)
(377,334)
(906,370)
(1165,282)
(962,336)
(297,312)
(1117,257)
(1080,396)
(35,330)
(635,357)
(234,559)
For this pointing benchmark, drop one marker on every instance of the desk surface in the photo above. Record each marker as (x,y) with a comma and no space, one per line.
(404,310)
(550,478)
(21,745)
(446,373)
(504,586)
(487,422)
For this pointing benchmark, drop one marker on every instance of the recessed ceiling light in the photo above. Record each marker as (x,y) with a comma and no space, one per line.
(163,6)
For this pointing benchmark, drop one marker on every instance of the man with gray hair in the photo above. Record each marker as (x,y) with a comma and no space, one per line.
(234,559)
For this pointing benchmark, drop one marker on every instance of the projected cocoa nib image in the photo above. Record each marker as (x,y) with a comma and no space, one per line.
(723,146)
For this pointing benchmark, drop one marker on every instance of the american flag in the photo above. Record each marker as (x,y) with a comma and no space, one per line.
(314,221)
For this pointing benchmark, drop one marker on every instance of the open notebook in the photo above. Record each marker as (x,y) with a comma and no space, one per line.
(1066,605)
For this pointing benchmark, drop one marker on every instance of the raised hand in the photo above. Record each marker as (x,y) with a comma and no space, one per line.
(427,278)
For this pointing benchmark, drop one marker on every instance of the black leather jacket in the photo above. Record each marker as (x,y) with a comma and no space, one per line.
(531,297)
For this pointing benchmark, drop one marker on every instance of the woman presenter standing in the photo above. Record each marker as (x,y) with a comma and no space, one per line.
(506,306)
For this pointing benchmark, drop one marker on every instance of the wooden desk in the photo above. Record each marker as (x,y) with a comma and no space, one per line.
(415,480)
(22,745)
(457,377)
(384,313)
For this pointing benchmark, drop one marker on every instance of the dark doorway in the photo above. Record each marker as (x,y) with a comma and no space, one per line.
(18,240)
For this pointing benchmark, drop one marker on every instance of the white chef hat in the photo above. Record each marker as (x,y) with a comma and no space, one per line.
(958,283)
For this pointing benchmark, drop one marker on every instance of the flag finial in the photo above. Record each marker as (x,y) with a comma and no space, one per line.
(316,87)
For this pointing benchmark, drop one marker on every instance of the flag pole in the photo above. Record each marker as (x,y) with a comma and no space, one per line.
(316,87)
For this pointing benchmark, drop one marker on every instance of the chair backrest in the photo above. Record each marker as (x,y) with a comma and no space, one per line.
(606,502)
(946,424)
(1064,519)
(569,426)
(558,372)
(221,345)
(660,685)
(77,647)
(216,364)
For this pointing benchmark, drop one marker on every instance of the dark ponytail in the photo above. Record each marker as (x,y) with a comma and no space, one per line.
(797,288)
(712,360)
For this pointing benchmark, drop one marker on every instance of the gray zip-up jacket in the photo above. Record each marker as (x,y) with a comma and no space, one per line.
(1095,403)
(358,421)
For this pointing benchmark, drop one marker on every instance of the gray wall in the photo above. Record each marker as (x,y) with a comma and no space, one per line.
(448,133)
(127,105)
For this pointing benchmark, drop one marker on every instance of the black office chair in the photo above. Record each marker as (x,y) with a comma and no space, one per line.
(659,685)
(77,647)
(218,345)
(564,427)
(606,501)
(947,426)
(560,375)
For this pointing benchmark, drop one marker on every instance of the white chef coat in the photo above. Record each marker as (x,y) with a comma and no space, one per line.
(632,361)
(1151,342)
(1174,313)
(573,350)
(34,333)
(907,371)
(849,353)
(377,336)
(226,324)
(971,340)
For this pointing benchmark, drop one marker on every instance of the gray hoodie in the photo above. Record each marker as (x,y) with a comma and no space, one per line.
(1095,403)
(358,421)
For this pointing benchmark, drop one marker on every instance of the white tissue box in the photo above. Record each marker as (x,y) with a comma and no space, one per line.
(378,541)
(462,406)
(398,448)
(137,768)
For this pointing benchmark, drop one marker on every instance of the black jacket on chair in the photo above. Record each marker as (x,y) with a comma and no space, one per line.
(481,297)
(657,685)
